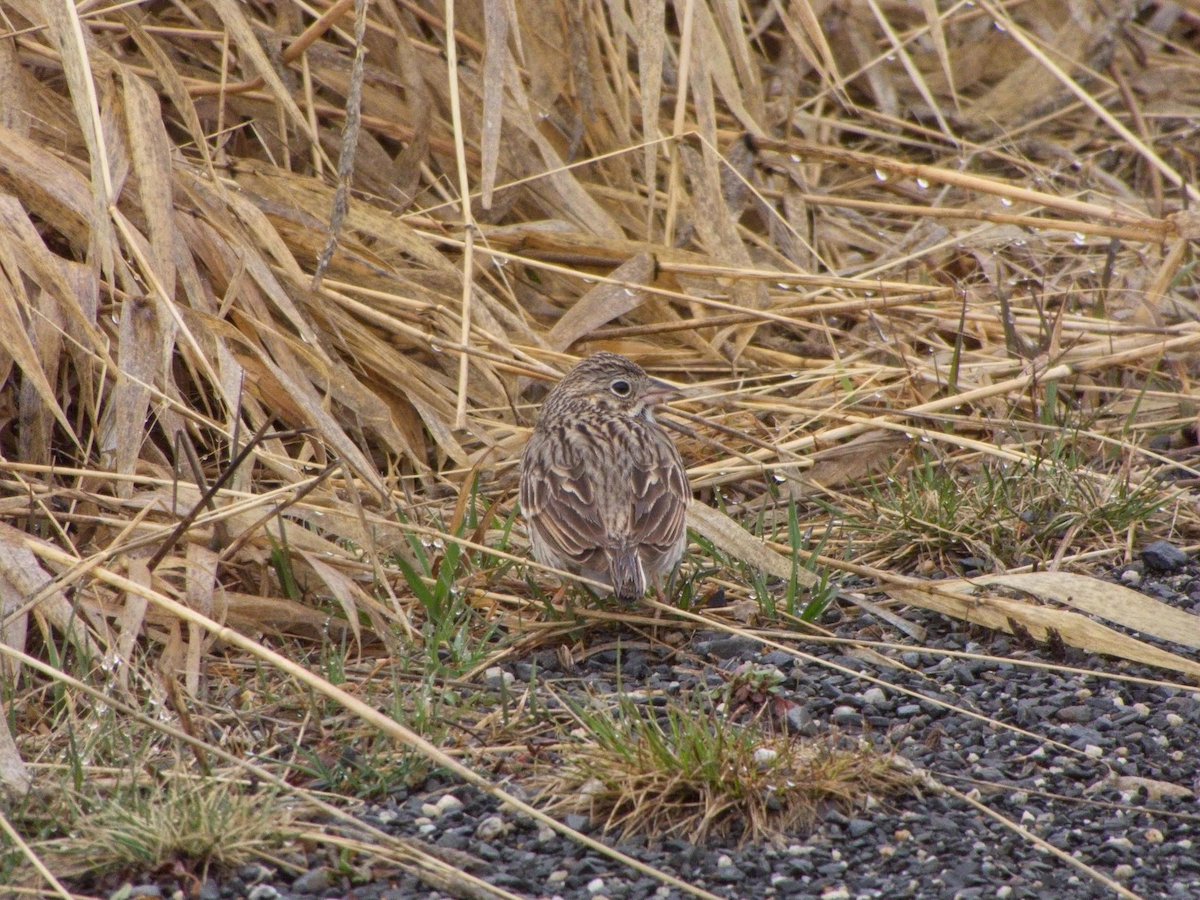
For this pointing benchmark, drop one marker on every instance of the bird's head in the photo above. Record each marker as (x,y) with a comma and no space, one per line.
(613,384)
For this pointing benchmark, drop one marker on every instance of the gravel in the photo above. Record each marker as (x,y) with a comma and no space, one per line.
(1118,794)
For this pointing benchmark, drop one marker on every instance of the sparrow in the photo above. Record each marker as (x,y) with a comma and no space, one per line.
(603,488)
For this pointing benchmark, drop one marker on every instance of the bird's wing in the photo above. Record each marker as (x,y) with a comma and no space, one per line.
(660,493)
(558,498)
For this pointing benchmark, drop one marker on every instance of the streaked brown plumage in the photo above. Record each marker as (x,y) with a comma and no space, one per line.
(603,489)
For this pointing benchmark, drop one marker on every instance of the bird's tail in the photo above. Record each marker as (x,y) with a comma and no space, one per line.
(626,575)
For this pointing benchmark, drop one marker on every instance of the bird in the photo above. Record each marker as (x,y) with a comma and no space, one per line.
(603,489)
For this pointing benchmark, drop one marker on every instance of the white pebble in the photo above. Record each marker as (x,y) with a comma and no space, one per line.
(1123,872)
(448,804)
(1091,751)
(1174,720)
(595,886)
(764,757)
(490,828)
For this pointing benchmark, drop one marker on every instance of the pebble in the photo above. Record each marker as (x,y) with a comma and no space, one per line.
(1163,556)
(314,881)
(845,715)
(729,874)
(1131,577)
(837,892)
(595,886)
(874,696)
(491,828)
(764,757)
(448,804)
(495,677)
(262,892)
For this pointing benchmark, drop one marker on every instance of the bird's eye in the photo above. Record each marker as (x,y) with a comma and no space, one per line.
(620,387)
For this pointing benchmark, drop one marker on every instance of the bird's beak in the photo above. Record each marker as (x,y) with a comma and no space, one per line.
(660,392)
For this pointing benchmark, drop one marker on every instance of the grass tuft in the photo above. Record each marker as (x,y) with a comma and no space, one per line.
(195,824)
(684,770)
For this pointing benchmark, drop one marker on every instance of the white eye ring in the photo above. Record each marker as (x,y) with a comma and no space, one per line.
(620,387)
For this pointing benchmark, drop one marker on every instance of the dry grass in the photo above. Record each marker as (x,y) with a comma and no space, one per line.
(687,771)
(865,236)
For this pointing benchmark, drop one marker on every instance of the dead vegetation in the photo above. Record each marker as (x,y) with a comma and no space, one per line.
(279,294)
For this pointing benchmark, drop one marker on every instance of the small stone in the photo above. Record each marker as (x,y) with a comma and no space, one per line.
(737,645)
(1004,892)
(314,881)
(147,891)
(1075,715)
(1174,720)
(836,892)
(448,804)
(577,821)
(546,834)
(729,874)
(874,696)
(845,715)
(1153,836)
(595,886)
(491,828)
(262,892)
(210,890)
(908,710)
(1163,556)
(799,720)
(429,811)
(1131,577)
(764,757)
(495,677)
(558,876)
(859,827)
(1091,751)
(724,860)
(1123,872)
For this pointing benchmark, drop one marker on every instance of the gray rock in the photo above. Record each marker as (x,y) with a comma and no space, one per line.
(1163,556)
(729,874)
(314,881)
(1076,715)
(845,715)
(727,648)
